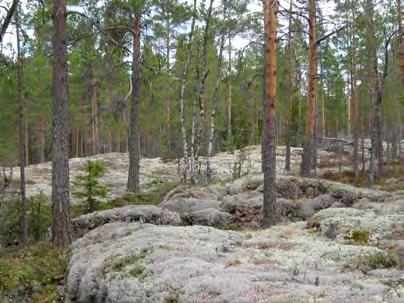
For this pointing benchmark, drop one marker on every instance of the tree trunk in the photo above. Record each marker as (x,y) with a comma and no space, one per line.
(61,233)
(229,104)
(95,108)
(290,91)
(269,140)
(204,75)
(375,89)
(168,49)
(354,99)
(7,19)
(186,169)
(214,100)
(400,10)
(22,138)
(307,157)
(41,138)
(134,128)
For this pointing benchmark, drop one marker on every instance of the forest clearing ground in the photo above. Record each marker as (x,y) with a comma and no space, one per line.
(367,232)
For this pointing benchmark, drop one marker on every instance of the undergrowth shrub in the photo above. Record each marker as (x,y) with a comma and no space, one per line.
(39,217)
(87,186)
(32,274)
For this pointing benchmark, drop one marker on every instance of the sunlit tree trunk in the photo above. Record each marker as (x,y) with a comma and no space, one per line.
(61,233)
(269,139)
(307,157)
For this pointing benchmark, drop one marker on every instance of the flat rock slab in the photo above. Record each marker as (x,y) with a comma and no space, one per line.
(134,262)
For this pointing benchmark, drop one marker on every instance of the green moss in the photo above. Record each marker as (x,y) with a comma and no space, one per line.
(378,260)
(32,274)
(152,197)
(172,298)
(139,271)
(167,247)
(358,237)
(117,265)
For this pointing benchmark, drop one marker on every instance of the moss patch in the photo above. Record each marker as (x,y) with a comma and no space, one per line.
(151,197)
(137,270)
(358,237)
(32,274)
(377,260)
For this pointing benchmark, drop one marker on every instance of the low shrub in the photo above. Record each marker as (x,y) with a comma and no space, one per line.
(377,260)
(39,217)
(32,274)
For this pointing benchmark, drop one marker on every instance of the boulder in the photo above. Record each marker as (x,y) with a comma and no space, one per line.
(133,262)
(141,213)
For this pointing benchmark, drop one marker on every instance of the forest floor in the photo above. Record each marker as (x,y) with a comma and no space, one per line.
(171,243)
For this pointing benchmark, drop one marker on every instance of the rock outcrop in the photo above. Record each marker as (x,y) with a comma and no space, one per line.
(132,262)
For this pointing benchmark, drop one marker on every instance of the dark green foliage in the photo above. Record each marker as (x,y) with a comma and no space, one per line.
(87,185)
(39,220)
(377,260)
(39,217)
(172,298)
(32,274)
(152,197)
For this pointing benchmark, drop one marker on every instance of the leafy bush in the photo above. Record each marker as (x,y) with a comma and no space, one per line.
(88,187)
(39,217)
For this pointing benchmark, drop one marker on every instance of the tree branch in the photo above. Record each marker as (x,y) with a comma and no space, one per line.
(332,33)
(7,20)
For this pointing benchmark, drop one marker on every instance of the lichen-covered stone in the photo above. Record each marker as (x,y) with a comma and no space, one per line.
(133,262)
(132,213)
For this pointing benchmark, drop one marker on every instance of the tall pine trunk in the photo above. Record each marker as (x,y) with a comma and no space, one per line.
(269,139)
(307,157)
(95,109)
(22,133)
(229,104)
(134,127)
(61,233)
(290,92)
(376,98)
(353,96)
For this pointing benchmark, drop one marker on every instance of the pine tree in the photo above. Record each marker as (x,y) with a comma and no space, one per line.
(88,187)
(61,234)
(269,139)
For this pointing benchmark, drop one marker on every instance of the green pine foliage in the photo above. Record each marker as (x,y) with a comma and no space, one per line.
(88,187)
